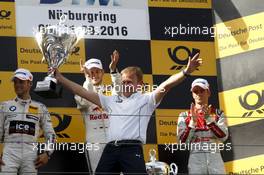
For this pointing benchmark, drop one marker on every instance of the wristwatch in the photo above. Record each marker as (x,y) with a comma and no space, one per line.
(113,71)
(185,73)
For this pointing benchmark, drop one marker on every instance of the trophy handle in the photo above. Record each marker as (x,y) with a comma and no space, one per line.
(152,155)
(173,168)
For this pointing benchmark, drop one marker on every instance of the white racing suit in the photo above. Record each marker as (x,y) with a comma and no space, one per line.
(20,122)
(203,141)
(96,119)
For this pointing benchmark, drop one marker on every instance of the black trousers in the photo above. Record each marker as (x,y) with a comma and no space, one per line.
(122,157)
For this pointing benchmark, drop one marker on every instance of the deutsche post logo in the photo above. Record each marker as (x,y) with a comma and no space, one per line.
(64,122)
(181,62)
(4,14)
(252,108)
(76,51)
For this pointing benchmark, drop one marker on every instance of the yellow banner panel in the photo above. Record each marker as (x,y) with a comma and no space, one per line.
(147,148)
(166,124)
(68,125)
(30,56)
(169,57)
(7,19)
(240,35)
(250,165)
(6,86)
(181,3)
(243,105)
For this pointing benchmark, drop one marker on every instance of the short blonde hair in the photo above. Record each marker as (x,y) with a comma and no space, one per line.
(133,70)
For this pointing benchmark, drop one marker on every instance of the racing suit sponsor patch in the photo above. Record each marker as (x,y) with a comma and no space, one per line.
(33,109)
(22,127)
(12,108)
(11,116)
(98,116)
(32,117)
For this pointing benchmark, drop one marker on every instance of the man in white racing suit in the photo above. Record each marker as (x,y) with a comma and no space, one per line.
(95,119)
(203,128)
(20,122)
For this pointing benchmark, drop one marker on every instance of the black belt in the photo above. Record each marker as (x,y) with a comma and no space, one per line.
(125,142)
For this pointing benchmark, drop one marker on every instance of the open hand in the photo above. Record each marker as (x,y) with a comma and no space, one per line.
(193,63)
(114,60)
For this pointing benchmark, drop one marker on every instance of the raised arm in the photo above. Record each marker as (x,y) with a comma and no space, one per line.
(77,89)
(175,79)
(115,75)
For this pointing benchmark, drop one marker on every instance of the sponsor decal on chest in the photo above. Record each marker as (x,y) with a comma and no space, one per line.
(98,116)
(12,108)
(21,127)
(33,109)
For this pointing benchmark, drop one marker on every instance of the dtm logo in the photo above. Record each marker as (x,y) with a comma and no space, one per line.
(87,2)
(252,107)
(76,51)
(5,14)
(181,62)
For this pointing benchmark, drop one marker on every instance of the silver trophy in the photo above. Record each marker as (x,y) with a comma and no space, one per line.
(155,167)
(56,43)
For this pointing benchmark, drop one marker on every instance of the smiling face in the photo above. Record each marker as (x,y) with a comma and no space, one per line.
(96,75)
(22,87)
(131,80)
(200,95)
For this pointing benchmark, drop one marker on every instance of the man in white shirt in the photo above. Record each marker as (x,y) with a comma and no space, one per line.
(130,114)
(95,118)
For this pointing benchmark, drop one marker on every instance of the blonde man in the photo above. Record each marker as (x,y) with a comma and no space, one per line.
(129,116)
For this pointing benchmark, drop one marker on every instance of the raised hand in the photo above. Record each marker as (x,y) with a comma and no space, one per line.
(114,60)
(83,69)
(193,63)
(81,66)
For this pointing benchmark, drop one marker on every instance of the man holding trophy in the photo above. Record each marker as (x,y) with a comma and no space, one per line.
(56,43)
(129,114)
(96,119)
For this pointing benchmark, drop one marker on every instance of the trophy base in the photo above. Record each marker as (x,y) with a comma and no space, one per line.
(48,89)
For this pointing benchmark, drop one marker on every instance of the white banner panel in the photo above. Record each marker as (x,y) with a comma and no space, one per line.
(99,22)
(132,4)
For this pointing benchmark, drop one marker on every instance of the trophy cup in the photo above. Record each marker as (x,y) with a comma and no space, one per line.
(155,167)
(56,42)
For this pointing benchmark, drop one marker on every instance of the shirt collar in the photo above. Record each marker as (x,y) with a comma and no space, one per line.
(131,96)
(23,102)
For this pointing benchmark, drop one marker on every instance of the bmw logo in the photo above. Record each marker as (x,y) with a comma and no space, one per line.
(12,108)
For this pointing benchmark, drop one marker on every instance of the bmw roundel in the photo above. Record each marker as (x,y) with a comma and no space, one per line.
(12,108)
